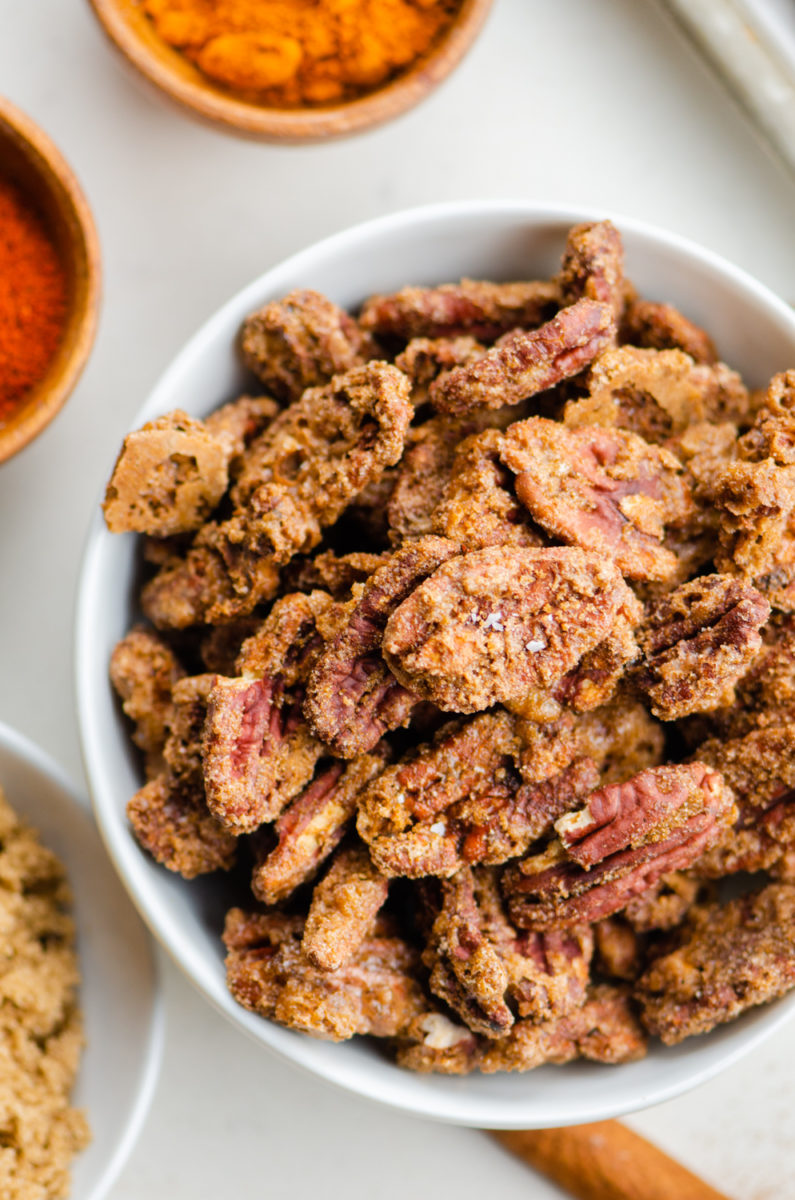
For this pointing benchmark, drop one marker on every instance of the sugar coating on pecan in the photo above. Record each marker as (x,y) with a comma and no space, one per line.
(196,587)
(657,326)
(657,393)
(605,1029)
(618,951)
(503,625)
(602,489)
(619,844)
(760,769)
(143,671)
(344,906)
(766,693)
(171,821)
(375,992)
(352,697)
(524,363)
(425,358)
(299,342)
(593,265)
(476,504)
(462,800)
(312,826)
(729,958)
(485,970)
(479,309)
(258,750)
(238,423)
(169,476)
(698,641)
(666,904)
(333,573)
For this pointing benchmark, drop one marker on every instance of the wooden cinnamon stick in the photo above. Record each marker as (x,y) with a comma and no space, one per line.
(606,1161)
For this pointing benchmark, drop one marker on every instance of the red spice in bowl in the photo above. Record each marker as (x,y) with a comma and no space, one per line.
(33,298)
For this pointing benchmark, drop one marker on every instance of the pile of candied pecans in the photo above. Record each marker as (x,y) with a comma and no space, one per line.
(471,645)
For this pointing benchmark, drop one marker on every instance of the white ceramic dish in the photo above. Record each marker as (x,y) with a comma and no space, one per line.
(754,331)
(120,997)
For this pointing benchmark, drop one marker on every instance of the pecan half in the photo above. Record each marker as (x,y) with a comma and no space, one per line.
(299,342)
(480,309)
(143,671)
(352,697)
(375,992)
(258,750)
(593,265)
(602,489)
(728,959)
(698,641)
(313,825)
(525,363)
(624,839)
(658,326)
(504,624)
(343,910)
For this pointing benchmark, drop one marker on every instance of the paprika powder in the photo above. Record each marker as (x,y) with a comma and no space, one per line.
(33,298)
(288,53)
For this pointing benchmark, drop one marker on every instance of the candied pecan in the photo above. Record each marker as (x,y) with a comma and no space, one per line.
(425,358)
(461,800)
(658,326)
(333,573)
(772,434)
(169,476)
(170,819)
(605,1029)
(480,309)
(299,342)
(238,423)
(760,769)
(315,458)
(258,751)
(313,825)
(143,671)
(665,905)
(592,683)
(697,643)
(602,489)
(503,625)
(525,363)
(433,1043)
(476,504)
(352,697)
(344,906)
(766,693)
(484,969)
(593,265)
(756,504)
(617,948)
(619,844)
(375,992)
(220,645)
(183,748)
(657,393)
(196,588)
(729,958)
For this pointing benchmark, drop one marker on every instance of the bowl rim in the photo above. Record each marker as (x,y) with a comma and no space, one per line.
(120,845)
(210,104)
(50,165)
(29,753)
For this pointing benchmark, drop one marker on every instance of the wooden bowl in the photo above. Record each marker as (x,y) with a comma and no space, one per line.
(134,35)
(30,160)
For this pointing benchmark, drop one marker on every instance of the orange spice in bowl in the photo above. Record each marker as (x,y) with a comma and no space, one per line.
(290,53)
(33,298)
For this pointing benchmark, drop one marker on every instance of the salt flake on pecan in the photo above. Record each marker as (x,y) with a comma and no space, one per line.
(503,624)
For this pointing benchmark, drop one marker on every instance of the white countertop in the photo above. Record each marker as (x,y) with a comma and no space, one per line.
(576,101)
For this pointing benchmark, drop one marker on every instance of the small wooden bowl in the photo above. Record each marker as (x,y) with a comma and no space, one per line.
(134,34)
(30,160)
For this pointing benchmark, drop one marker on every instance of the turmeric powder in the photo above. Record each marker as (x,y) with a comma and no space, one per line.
(289,53)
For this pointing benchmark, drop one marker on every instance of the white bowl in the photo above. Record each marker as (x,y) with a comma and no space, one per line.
(754,331)
(119,995)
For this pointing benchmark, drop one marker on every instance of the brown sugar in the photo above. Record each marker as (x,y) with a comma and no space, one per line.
(40,1024)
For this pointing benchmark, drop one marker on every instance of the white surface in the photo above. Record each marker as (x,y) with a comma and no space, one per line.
(120,995)
(493,240)
(574,102)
